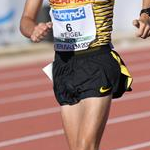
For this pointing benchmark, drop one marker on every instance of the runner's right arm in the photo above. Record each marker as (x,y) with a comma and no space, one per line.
(28,26)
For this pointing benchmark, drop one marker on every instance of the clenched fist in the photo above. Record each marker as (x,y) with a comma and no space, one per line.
(40,31)
(143,25)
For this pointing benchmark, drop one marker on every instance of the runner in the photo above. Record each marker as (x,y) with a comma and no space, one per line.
(86,72)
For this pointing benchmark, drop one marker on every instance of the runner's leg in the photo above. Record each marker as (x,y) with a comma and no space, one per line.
(96,111)
(71,117)
(84,122)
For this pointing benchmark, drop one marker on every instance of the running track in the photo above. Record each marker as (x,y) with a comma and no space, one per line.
(30,117)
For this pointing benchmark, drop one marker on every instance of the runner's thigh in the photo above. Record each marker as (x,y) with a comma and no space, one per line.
(94,118)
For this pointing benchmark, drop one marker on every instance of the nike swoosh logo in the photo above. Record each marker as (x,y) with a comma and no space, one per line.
(103,90)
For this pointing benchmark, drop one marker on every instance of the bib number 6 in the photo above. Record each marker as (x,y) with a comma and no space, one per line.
(68,27)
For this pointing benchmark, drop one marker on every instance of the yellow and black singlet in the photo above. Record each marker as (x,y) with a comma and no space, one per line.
(103,15)
(84,24)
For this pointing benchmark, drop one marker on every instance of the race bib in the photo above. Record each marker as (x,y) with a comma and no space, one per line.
(73,28)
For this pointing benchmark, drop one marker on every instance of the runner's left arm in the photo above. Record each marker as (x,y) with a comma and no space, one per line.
(143,23)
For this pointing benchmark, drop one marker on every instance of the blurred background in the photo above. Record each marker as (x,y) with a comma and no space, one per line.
(29,113)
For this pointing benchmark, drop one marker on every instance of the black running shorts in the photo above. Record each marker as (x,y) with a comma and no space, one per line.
(91,73)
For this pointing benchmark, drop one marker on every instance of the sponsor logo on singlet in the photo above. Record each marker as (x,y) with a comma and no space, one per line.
(60,2)
(69,14)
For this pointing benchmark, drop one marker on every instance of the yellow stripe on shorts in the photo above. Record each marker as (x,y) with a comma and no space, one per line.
(123,68)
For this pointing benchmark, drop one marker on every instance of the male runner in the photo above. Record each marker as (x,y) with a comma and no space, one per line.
(87,73)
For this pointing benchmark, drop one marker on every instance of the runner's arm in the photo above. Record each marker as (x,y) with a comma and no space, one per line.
(143,23)
(28,26)
(146,4)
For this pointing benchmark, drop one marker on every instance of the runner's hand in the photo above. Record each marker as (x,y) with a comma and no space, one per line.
(40,31)
(143,25)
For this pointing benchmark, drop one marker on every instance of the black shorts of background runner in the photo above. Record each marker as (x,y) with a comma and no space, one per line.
(87,74)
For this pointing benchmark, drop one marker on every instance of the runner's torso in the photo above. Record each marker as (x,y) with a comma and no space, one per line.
(102,13)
